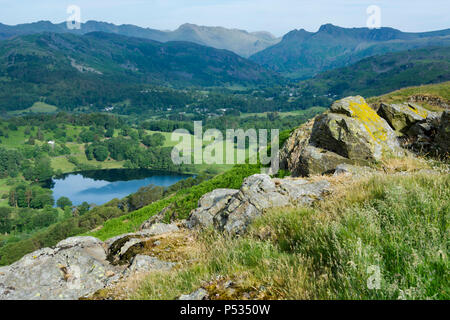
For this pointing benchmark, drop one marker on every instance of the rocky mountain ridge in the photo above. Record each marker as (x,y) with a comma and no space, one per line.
(238,41)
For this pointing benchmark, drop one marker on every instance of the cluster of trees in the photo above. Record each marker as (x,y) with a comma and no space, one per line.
(123,148)
(39,171)
(13,161)
(30,196)
(10,162)
(271,120)
(26,220)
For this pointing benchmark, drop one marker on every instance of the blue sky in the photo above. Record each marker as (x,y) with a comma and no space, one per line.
(276,16)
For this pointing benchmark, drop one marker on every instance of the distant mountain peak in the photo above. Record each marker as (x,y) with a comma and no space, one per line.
(297,34)
(302,54)
(241,42)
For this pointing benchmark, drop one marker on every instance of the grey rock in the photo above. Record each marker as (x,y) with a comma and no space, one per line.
(258,193)
(154,230)
(74,268)
(443,135)
(120,249)
(351,132)
(129,244)
(157,229)
(355,131)
(208,206)
(402,116)
(200,294)
(158,218)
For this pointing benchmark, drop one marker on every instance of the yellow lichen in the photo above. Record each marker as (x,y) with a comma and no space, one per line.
(422,113)
(369,118)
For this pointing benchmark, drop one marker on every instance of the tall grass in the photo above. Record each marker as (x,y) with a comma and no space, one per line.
(395,224)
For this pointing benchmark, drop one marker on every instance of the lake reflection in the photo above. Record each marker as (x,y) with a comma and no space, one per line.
(101,186)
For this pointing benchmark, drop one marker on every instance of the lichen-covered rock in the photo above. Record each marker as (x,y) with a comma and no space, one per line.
(351,132)
(121,249)
(290,158)
(315,160)
(355,131)
(200,294)
(402,116)
(208,206)
(443,135)
(258,193)
(74,268)
(301,158)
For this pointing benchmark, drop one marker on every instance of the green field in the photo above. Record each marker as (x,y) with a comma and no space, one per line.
(37,107)
(310,112)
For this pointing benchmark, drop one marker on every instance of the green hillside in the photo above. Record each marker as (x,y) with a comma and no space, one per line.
(384,73)
(71,71)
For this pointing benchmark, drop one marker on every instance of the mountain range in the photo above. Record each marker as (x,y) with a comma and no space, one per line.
(77,69)
(302,54)
(299,54)
(240,42)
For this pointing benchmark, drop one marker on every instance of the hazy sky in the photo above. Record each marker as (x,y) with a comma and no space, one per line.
(276,16)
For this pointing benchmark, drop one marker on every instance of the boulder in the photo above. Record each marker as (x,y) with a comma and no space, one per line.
(74,268)
(351,132)
(157,218)
(258,193)
(315,160)
(443,134)
(402,116)
(290,153)
(355,131)
(208,206)
(121,249)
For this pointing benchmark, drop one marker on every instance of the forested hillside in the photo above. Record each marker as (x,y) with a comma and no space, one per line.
(383,73)
(71,71)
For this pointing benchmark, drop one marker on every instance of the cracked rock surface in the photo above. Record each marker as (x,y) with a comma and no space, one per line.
(232,211)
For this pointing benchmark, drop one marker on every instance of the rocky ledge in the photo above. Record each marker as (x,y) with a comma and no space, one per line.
(232,210)
(78,267)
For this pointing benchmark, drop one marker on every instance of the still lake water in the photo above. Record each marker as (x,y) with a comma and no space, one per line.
(101,186)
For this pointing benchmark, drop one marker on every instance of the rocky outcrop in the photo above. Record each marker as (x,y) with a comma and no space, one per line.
(123,248)
(431,100)
(355,131)
(402,116)
(443,134)
(237,209)
(157,218)
(351,132)
(208,206)
(74,268)
(78,267)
